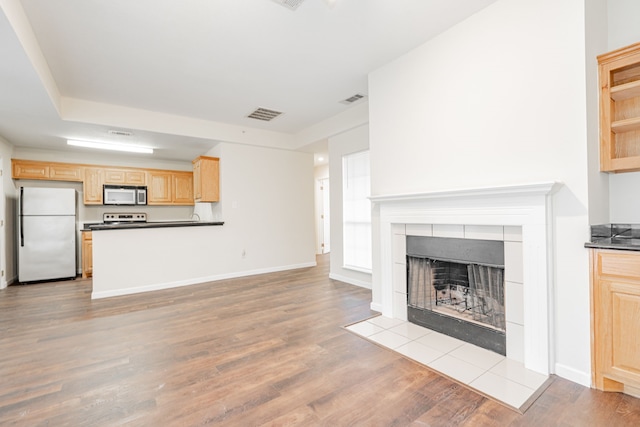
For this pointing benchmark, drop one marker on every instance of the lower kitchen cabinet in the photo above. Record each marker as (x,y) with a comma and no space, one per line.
(615,321)
(87,254)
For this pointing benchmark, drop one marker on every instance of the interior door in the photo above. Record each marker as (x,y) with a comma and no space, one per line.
(326,217)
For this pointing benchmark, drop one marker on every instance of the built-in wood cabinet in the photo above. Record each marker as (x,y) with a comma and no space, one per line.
(25,169)
(615,321)
(87,254)
(182,188)
(22,169)
(619,74)
(206,179)
(92,185)
(164,187)
(66,172)
(159,187)
(175,188)
(125,176)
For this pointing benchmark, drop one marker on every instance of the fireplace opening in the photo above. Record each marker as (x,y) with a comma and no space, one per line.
(456,287)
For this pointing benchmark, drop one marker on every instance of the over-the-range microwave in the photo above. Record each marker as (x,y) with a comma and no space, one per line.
(124,195)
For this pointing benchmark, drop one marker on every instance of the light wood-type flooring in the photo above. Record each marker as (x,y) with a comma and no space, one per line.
(261,350)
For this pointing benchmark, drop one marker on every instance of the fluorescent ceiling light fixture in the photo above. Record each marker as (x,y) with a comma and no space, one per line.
(109,146)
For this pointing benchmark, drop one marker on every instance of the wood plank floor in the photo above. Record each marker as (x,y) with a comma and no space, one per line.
(263,350)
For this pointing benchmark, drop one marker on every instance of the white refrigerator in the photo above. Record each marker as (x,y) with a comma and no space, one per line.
(46,234)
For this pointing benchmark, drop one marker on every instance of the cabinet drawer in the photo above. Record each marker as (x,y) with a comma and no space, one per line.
(619,264)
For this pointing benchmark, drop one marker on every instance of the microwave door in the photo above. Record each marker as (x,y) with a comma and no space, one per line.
(120,197)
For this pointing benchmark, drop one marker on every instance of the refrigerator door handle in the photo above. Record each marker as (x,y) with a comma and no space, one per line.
(21,218)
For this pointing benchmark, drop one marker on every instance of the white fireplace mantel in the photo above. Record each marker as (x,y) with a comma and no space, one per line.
(526,205)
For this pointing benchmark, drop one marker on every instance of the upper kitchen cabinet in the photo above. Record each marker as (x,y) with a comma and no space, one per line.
(92,185)
(169,188)
(159,189)
(182,188)
(27,169)
(619,73)
(164,187)
(125,176)
(206,179)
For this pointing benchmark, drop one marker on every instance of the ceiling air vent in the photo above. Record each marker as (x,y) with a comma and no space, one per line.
(289,4)
(264,114)
(355,98)
(119,133)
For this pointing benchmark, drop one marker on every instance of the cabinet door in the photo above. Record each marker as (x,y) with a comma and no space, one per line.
(183,188)
(197,187)
(621,319)
(135,178)
(59,172)
(87,254)
(616,319)
(92,186)
(29,170)
(114,176)
(159,188)
(206,176)
(124,176)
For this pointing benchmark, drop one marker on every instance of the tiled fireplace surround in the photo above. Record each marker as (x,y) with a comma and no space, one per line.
(519,215)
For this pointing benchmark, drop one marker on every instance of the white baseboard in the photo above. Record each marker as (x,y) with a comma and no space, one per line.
(195,281)
(376,307)
(572,374)
(351,281)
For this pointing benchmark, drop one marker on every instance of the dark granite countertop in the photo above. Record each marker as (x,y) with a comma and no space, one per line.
(624,237)
(158,224)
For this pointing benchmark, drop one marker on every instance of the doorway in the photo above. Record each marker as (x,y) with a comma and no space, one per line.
(323,219)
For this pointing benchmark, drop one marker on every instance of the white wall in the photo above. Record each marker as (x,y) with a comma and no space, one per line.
(266,202)
(498,99)
(624,30)
(8,260)
(351,141)
(596,43)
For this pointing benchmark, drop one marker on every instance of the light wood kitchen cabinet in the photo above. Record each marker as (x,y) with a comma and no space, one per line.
(206,179)
(615,321)
(619,75)
(164,187)
(159,187)
(124,176)
(182,188)
(92,185)
(27,169)
(66,172)
(87,254)
(174,188)
(24,169)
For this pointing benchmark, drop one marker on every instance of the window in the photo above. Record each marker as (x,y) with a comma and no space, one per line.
(356,215)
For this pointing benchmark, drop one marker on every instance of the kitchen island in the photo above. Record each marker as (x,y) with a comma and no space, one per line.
(139,257)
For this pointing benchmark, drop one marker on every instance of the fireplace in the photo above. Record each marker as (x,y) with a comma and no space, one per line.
(523,214)
(456,287)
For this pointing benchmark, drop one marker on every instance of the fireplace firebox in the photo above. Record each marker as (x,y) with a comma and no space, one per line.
(456,287)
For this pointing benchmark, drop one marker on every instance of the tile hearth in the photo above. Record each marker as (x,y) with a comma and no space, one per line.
(484,371)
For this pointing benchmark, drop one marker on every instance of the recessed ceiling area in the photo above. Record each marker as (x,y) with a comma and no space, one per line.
(182,76)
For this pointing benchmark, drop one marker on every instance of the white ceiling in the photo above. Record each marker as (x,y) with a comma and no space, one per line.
(182,75)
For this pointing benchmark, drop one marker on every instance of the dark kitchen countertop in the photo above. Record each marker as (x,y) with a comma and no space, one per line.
(624,237)
(157,224)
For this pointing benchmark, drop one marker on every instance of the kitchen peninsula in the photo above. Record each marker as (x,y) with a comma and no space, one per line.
(149,256)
